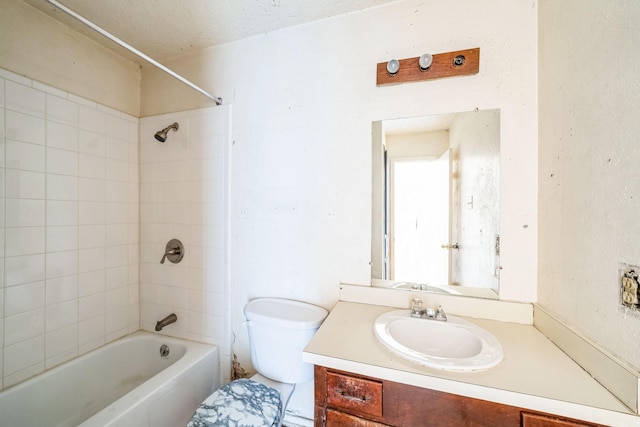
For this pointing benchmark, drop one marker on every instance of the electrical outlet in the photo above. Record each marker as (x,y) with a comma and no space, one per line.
(629,278)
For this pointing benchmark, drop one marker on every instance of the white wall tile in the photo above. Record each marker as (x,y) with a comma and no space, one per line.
(24,156)
(60,150)
(134,273)
(2,124)
(117,149)
(48,89)
(92,190)
(24,241)
(63,238)
(92,236)
(23,127)
(134,153)
(91,306)
(61,187)
(23,326)
(117,170)
(117,256)
(117,213)
(61,289)
(24,99)
(62,212)
(62,136)
(92,119)
(92,213)
(116,320)
(23,298)
(61,341)
(91,330)
(117,277)
(117,234)
(117,127)
(8,75)
(91,283)
(117,192)
(24,184)
(2,83)
(116,298)
(62,110)
(60,264)
(61,315)
(23,355)
(24,269)
(91,143)
(24,213)
(91,259)
(92,166)
(62,162)
(134,214)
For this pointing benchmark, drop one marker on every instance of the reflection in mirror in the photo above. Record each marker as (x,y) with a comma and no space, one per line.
(436,185)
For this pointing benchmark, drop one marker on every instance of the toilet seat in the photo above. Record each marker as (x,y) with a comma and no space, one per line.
(257,402)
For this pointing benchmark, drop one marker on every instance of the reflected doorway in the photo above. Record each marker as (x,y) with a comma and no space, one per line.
(419,219)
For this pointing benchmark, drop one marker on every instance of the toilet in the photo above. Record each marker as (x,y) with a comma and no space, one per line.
(279,329)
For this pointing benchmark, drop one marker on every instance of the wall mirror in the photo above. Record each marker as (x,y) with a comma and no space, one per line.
(435,195)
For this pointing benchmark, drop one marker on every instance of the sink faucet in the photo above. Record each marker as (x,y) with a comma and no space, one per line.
(166,321)
(428,313)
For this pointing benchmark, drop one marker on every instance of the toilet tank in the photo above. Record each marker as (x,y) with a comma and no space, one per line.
(279,329)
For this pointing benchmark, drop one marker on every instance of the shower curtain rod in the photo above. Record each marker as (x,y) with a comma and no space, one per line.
(133,50)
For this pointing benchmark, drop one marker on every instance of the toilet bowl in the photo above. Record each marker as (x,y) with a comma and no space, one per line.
(279,329)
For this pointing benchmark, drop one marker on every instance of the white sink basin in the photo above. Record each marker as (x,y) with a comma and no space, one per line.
(454,345)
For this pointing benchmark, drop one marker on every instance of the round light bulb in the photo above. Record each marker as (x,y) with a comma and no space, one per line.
(425,61)
(393,66)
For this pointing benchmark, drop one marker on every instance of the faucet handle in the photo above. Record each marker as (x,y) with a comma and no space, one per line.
(416,307)
(440,315)
(174,251)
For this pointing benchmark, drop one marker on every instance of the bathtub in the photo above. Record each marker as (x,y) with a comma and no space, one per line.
(125,383)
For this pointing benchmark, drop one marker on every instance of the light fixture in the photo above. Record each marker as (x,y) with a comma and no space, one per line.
(425,61)
(393,66)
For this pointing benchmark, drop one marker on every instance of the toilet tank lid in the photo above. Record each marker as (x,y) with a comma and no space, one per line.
(286,313)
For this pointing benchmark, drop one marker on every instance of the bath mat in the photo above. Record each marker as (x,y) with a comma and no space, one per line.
(241,403)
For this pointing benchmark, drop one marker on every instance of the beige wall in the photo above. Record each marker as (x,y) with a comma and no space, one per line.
(39,47)
(589,104)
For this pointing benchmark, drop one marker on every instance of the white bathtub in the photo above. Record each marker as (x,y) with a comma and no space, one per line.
(125,383)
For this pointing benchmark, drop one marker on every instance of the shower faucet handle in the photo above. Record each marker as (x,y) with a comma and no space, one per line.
(174,251)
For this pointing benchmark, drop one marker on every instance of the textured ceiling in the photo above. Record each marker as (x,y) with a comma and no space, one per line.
(164,29)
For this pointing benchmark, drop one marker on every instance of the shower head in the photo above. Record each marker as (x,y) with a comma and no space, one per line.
(161,135)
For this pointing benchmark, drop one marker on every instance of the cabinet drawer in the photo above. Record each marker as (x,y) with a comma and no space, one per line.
(354,394)
(530,419)
(340,419)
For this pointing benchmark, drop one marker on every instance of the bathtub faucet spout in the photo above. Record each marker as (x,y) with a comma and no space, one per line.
(166,321)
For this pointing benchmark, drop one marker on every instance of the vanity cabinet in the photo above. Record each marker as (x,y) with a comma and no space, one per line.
(344,399)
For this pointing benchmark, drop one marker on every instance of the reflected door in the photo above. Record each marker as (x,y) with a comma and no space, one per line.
(419,220)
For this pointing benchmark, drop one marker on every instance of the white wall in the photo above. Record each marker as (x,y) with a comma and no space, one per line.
(69,208)
(184,195)
(589,155)
(304,99)
(39,47)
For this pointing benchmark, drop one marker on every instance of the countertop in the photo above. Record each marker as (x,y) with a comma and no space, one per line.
(535,374)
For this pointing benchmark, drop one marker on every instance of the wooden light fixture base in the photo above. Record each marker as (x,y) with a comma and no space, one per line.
(448,64)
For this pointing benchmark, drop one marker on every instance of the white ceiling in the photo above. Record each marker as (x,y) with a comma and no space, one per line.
(164,29)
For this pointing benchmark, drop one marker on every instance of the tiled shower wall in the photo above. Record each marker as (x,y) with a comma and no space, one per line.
(69,209)
(184,195)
